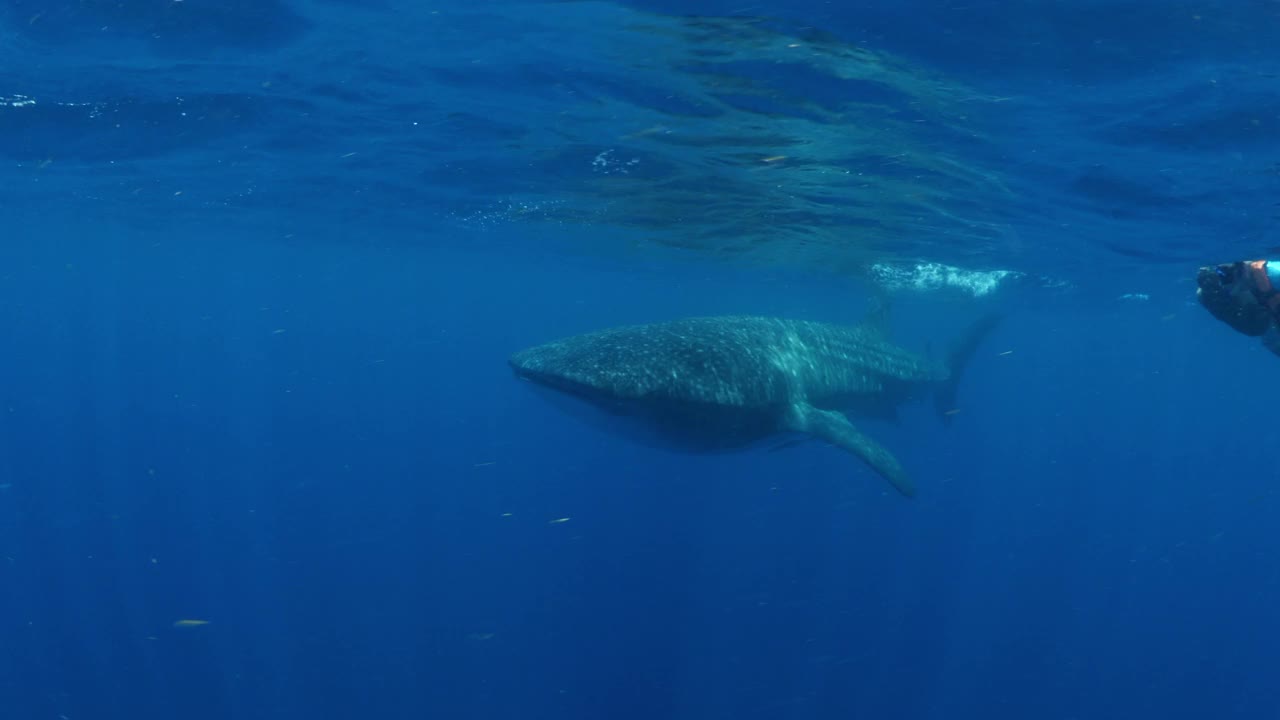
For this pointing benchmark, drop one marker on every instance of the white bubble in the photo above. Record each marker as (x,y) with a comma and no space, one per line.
(932,277)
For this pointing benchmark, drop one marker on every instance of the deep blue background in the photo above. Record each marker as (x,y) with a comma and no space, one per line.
(292,417)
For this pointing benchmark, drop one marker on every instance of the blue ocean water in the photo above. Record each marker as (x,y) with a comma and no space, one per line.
(262,264)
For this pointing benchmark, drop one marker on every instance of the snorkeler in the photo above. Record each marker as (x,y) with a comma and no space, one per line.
(1246,296)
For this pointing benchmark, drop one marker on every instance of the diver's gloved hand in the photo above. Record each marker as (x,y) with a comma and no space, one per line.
(1225,292)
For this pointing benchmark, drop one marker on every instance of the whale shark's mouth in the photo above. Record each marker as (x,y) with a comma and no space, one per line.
(569,395)
(553,381)
(547,379)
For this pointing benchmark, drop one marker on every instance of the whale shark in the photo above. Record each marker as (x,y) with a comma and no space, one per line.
(709,384)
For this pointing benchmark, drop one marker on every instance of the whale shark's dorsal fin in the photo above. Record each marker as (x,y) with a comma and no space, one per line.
(836,429)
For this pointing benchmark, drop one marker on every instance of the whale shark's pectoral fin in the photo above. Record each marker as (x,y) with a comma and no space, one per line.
(836,429)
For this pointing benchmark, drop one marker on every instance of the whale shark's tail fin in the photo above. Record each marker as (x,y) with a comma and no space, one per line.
(944,396)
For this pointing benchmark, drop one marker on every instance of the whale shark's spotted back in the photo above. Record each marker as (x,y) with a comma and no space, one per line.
(729,361)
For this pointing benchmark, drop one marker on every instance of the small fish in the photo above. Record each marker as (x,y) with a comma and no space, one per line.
(559,521)
(952,411)
(189,623)
(1006,352)
(774,158)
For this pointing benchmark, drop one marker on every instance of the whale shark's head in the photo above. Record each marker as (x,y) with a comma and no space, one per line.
(586,381)
(548,368)
(543,365)
(547,371)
